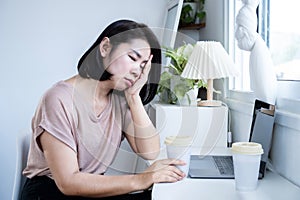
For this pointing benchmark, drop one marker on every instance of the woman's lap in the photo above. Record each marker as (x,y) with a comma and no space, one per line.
(44,188)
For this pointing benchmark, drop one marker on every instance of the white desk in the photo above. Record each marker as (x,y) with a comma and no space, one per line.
(271,187)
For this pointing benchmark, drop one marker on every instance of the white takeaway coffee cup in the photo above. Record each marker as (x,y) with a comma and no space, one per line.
(246,161)
(179,147)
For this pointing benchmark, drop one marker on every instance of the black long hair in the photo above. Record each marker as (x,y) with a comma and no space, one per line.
(90,64)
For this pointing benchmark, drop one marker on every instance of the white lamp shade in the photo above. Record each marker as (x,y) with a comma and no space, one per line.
(209,60)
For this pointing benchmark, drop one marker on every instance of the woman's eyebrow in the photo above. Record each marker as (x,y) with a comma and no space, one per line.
(137,53)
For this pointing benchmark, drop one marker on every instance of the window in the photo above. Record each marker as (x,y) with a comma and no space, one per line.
(284,38)
(277,25)
(240,57)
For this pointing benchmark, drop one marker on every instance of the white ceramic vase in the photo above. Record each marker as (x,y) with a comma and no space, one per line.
(190,98)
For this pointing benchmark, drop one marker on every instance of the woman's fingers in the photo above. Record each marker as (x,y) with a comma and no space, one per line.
(172,162)
(166,171)
(147,68)
(169,174)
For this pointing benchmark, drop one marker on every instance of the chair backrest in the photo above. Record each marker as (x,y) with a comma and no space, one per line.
(22,145)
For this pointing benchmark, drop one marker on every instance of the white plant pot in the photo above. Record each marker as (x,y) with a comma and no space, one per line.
(190,98)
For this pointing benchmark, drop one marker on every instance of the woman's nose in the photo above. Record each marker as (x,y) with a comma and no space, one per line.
(136,70)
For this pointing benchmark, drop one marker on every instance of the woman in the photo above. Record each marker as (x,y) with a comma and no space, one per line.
(80,122)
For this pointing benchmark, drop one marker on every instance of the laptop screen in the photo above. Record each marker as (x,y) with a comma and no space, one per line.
(261,106)
(262,129)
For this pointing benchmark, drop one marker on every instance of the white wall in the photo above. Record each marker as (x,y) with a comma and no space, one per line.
(285,152)
(40,44)
(215,27)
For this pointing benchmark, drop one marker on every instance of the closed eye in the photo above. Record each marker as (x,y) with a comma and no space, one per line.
(136,56)
(142,65)
(132,57)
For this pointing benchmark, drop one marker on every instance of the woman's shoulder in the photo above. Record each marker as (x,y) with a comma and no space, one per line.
(57,99)
(60,91)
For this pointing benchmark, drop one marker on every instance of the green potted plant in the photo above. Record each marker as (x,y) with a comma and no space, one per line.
(200,14)
(192,12)
(172,87)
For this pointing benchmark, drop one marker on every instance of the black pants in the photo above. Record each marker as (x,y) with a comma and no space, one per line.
(44,188)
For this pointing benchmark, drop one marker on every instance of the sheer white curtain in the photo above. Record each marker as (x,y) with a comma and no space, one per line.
(262,75)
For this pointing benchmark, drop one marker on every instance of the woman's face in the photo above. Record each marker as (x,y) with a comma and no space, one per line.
(126,63)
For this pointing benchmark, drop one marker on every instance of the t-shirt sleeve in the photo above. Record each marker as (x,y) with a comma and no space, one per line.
(55,116)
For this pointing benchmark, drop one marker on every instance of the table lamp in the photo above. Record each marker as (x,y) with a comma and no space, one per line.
(209,60)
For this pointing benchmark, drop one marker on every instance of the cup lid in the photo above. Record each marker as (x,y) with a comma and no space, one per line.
(179,140)
(249,148)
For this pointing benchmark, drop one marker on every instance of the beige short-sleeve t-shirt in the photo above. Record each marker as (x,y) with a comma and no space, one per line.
(65,114)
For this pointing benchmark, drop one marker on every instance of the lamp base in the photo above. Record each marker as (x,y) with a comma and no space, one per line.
(209,103)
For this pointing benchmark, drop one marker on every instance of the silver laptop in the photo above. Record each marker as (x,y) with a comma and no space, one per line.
(221,167)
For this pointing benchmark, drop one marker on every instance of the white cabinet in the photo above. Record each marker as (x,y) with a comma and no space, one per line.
(207,125)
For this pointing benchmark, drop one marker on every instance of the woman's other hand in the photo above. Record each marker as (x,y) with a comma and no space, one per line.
(162,171)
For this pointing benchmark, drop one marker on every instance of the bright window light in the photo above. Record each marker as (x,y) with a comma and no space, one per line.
(285,38)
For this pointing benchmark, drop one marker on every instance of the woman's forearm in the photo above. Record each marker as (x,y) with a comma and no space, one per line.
(90,185)
(145,135)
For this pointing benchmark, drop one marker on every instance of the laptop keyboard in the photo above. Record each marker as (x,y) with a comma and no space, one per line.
(224,164)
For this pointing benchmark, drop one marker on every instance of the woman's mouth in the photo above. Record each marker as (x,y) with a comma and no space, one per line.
(129,82)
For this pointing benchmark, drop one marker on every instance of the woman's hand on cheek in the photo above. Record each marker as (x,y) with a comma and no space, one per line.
(137,86)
